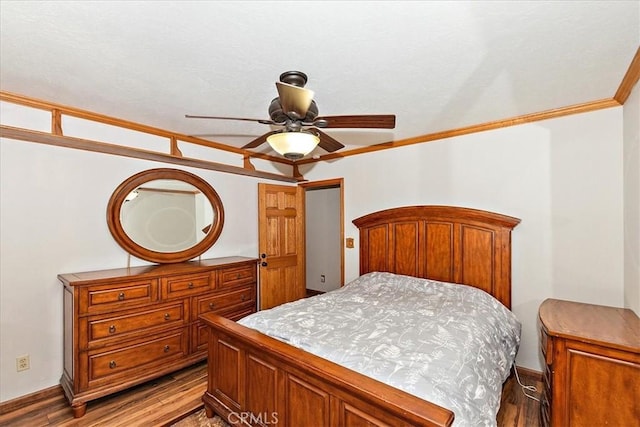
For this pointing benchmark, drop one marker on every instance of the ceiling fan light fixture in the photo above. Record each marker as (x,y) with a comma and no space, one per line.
(293,145)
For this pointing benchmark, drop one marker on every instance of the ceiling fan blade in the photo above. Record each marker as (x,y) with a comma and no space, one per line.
(264,122)
(294,99)
(380,121)
(259,140)
(327,143)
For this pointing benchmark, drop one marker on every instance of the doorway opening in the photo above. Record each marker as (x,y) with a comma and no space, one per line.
(324,236)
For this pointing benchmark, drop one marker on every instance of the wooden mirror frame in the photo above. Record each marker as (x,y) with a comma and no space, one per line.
(119,195)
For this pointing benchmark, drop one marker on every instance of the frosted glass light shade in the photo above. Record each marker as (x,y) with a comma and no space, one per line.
(293,145)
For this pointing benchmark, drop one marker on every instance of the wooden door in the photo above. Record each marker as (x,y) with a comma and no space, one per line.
(281,244)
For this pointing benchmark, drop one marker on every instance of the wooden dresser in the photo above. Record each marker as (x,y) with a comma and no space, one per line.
(592,372)
(126,326)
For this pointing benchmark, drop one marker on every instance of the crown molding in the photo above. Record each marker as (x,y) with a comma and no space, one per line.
(527,118)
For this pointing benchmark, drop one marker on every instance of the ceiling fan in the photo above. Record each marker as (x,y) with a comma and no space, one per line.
(297,113)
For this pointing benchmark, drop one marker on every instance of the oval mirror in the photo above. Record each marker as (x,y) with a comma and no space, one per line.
(165,215)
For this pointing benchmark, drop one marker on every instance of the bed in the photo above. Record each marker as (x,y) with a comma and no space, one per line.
(278,376)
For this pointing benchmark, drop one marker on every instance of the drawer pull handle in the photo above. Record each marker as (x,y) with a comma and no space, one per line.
(167,316)
(211,305)
(121,296)
(166,349)
(112,364)
(238,276)
(244,297)
(112,329)
(190,285)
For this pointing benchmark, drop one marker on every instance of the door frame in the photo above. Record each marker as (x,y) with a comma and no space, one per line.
(325,184)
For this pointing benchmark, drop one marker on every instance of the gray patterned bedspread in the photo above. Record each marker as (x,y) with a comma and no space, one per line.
(450,344)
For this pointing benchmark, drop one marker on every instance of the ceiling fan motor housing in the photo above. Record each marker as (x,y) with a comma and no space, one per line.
(312,112)
(275,111)
(296,78)
(277,114)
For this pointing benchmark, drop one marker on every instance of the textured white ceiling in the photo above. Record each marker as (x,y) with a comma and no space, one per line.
(437,65)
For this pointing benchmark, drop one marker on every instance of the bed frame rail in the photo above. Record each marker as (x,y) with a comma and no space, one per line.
(257,380)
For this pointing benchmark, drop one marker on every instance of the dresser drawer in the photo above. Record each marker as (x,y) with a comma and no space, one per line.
(223,301)
(143,354)
(133,322)
(235,276)
(182,286)
(117,296)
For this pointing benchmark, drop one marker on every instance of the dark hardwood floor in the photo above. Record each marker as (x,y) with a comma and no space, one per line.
(312,292)
(159,402)
(516,409)
(168,399)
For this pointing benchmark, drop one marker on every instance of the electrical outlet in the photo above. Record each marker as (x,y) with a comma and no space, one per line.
(22,363)
(322,278)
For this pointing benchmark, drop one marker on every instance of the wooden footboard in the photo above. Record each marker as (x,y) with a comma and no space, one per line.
(257,380)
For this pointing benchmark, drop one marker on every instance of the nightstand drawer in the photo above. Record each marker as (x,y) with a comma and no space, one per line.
(547,382)
(546,347)
(181,286)
(135,322)
(545,418)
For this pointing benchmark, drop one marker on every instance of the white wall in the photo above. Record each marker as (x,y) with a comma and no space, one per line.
(53,220)
(632,201)
(323,238)
(561,177)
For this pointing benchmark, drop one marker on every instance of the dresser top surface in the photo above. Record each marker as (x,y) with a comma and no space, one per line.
(598,324)
(153,270)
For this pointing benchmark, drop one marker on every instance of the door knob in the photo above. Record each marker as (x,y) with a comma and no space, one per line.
(264,264)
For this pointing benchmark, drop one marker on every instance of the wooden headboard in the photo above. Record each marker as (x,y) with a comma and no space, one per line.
(445,243)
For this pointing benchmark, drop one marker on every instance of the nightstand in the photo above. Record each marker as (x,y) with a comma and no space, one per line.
(592,365)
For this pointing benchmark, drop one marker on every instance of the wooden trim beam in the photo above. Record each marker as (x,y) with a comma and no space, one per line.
(246,160)
(58,111)
(56,122)
(527,118)
(629,80)
(119,150)
(175,151)
(100,118)
(296,173)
